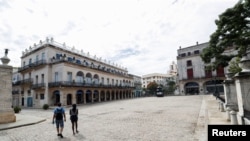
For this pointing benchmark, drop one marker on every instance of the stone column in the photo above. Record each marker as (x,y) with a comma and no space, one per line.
(7,114)
(242,82)
(231,100)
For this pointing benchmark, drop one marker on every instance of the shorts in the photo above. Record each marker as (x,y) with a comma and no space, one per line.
(59,123)
(73,118)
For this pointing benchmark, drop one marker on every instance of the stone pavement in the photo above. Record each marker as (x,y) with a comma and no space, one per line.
(126,120)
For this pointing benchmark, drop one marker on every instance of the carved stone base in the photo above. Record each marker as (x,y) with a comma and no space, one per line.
(7,117)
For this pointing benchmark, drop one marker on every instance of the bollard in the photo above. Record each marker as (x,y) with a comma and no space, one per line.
(222,109)
(219,105)
(234,120)
(228,109)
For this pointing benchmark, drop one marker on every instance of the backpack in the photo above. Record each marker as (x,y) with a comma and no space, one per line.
(59,114)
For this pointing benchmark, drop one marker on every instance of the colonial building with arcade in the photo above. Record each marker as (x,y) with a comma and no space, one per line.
(52,72)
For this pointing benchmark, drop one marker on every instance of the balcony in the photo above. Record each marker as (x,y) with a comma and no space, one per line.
(32,65)
(27,81)
(15,92)
(39,63)
(79,84)
(88,65)
(16,83)
(37,86)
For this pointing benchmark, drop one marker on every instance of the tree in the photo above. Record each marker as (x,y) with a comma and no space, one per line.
(171,87)
(152,87)
(234,65)
(233,31)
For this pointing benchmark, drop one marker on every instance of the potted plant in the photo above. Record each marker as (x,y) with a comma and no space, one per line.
(17,109)
(45,106)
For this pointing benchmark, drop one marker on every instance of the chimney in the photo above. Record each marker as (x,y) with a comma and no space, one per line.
(197,43)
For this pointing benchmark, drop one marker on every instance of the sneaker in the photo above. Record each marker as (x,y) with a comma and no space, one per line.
(61,135)
(58,134)
(77,131)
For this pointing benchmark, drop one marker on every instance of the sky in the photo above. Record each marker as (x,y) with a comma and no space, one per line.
(140,35)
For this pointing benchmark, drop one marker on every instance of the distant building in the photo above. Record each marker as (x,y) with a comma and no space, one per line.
(137,84)
(172,69)
(194,77)
(51,72)
(160,79)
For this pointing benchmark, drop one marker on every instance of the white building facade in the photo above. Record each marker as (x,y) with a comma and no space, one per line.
(193,75)
(159,78)
(52,72)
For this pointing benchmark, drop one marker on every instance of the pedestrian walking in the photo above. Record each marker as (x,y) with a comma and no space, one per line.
(73,112)
(59,114)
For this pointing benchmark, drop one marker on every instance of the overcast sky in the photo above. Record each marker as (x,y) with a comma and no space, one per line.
(140,35)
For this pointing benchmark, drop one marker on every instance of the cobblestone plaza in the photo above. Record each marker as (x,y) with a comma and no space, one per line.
(170,118)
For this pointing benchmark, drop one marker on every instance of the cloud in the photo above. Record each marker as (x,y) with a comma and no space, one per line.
(4,5)
(142,35)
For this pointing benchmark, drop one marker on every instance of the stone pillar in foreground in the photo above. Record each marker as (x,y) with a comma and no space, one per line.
(231,100)
(7,114)
(242,82)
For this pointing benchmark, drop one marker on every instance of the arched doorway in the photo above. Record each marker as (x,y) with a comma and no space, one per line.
(107,95)
(57,97)
(102,96)
(96,96)
(88,96)
(192,88)
(69,99)
(79,97)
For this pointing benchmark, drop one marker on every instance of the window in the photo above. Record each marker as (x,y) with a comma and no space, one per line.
(36,96)
(70,59)
(107,81)
(58,56)
(189,53)
(79,77)
(102,80)
(36,79)
(42,80)
(220,71)
(23,63)
(41,96)
(78,61)
(30,61)
(183,54)
(43,56)
(37,58)
(56,77)
(196,52)
(69,74)
(189,63)
(190,73)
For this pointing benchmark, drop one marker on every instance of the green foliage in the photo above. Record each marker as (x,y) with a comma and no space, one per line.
(152,87)
(45,106)
(232,32)
(17,109)
(234,66)
(171,87)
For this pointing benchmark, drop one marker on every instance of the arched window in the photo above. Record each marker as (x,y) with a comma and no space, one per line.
(79,77)
(88,78)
